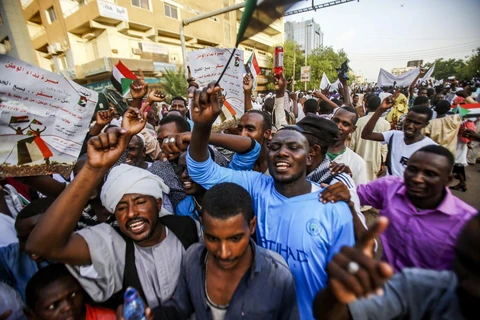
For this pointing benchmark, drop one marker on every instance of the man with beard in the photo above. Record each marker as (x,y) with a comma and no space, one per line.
(362,288)
(401,144)
(290,219)
(145,251)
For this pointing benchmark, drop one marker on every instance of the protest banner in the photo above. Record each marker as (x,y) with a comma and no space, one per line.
(44,119)
(206,65)
(305,74)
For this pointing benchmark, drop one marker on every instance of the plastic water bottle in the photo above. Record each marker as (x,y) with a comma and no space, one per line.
(133,308)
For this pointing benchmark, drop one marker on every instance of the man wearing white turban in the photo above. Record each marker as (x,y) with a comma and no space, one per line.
(145,251)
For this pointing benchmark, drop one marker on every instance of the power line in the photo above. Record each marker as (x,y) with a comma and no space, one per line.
(468,44)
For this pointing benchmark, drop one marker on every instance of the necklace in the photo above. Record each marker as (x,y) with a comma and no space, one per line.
(197,205)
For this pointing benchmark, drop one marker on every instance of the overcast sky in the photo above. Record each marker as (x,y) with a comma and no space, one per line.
(388,33)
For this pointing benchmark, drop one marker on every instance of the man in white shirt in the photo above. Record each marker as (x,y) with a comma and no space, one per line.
(346,118)
(401,144)
(372,152)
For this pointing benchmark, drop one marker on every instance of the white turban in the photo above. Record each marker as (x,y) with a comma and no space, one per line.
(126,179)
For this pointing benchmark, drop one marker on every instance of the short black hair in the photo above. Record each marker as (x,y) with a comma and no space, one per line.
(422,110)
(179,98)
(322,131)
(311,105)
(226,200)
(351,110)
(422,88)
(268,104)
(439,150)
(36,207)
(41,279)
(373,103)
(442,107)
(430,92)
(182,124)
(267,118)
(337,102)
(421,101)
(325,107)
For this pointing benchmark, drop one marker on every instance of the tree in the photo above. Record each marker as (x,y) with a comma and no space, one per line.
(175,83)
(461,69)
(320,60)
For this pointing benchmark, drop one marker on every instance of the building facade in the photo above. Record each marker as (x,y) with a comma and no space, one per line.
(399,71)
(307,34)
(83,39)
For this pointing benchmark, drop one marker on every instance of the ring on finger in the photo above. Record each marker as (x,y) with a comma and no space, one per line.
(171,140)
(353,267)
(165,140)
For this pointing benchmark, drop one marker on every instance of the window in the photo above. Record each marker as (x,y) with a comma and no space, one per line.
(144,4)
(170,11)
(51,16)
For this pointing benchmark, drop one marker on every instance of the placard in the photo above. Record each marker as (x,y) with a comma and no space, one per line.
(44,119)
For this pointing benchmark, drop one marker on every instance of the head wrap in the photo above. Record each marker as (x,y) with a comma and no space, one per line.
(126,179)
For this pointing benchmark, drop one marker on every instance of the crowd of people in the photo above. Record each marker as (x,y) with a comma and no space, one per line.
(317,205)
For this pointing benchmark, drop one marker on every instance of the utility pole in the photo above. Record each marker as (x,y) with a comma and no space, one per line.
(294,58)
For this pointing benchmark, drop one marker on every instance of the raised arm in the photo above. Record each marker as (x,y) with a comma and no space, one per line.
(367,132)
(102,118)
(138,90)
(293,96)
(346,93)
(205,109)
(323,97)
(344,288)
(44,184)
(247,90)
(181,141)
(414,83)
(278,109)
(53,236)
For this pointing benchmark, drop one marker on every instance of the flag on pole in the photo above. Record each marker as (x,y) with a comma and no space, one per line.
(252,66)
(467,110)
(324,82)
(258,15)
(122,78)
(35,121)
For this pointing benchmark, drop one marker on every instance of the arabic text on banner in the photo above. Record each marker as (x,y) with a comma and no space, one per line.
(206,65)
(44,119)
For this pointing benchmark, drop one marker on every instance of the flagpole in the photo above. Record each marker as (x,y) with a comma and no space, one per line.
(293,75)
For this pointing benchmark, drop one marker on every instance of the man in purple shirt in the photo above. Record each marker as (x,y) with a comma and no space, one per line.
(425,218)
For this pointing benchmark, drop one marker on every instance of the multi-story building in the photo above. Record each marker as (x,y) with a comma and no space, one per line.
(83,39)
(399,71)
(307,34)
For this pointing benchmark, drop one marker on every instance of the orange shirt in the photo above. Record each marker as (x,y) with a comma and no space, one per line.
(97,313)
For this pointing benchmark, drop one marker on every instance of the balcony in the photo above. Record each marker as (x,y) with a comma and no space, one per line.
(78,20)
(39,40)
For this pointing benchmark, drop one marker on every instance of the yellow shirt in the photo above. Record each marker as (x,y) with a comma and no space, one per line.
(444,131)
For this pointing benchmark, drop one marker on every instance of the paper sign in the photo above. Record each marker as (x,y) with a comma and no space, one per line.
(206,65)
(305,74)
(44,119)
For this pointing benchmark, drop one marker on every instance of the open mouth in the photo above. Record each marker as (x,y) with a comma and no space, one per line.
(137,226)
(282,166)
(187,185)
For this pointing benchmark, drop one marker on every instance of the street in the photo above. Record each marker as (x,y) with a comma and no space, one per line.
(472,195)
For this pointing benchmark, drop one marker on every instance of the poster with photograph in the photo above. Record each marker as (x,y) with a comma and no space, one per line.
(44,119)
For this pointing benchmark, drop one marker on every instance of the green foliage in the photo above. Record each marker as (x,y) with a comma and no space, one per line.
(320,60)
(174,83)
(459,68)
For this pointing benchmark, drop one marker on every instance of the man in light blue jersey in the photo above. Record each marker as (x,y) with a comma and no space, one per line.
(290,219)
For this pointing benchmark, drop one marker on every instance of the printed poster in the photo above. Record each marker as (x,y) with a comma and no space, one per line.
(44,119)
(206,65)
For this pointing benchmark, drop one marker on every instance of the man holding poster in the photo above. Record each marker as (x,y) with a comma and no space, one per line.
(49,116)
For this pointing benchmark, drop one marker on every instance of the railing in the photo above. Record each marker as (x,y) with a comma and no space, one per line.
(76,7)
(38,34)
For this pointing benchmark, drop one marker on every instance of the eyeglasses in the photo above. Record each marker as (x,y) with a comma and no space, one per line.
(295,128)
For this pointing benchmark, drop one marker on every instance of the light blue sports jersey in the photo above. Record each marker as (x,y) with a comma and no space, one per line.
(306,232)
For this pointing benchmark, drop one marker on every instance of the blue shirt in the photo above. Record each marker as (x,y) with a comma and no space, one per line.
(16,267)
(412,294)
(304,231)
(186,207)
(266,291)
